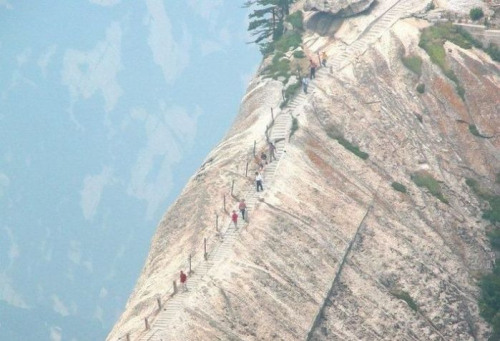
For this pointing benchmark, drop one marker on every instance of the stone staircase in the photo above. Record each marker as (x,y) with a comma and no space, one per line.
(372,33)
(160,326)
(280,131)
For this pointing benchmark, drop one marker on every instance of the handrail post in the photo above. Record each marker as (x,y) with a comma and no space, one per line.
(146,323)
(205,254)
(190,271)
(175,288)
(158,300)
(232,187)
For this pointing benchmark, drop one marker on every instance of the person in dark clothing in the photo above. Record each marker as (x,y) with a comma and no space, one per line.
(312,65)
(272,150)
(263,157)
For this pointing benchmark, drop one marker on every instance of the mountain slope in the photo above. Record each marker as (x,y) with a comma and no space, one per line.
(332,251)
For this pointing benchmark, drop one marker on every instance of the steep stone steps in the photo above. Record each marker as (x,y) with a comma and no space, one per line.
(279,131)
(174,306)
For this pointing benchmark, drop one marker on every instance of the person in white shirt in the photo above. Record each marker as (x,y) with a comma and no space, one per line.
(258,181)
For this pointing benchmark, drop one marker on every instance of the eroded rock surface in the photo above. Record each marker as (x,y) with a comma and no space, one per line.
(343,8)
(332,251)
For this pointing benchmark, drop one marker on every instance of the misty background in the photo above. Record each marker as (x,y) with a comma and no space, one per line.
(107,107)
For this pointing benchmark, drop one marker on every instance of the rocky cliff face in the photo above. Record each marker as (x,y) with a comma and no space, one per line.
(338,7)
(332,251)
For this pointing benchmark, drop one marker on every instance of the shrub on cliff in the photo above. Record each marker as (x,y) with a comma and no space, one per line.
(279,67)
(494,52)
(296,19)
(493,212)
(413,63)
(399,187)
(425,180)
(335,134)
(476,13)
(432,41)
(403,295)
(267,22)
(489,300)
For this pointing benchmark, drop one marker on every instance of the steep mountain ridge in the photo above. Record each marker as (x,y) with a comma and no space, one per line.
(332,251)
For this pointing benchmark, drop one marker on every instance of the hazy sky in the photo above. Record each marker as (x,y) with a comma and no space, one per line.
(107,107)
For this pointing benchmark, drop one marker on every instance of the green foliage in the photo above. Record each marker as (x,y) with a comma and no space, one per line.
(399,187)
(460,91)
(335,134)
(421,88)
(476,13)
(430,6)
(414,63)
(473,130)
(425,180)
(279,67)
(295,126)
(467,36)
(473,184)
(290,91)
(403,295)
(493,213)
(299,54)
(494,237)
(266,21)
(489,300)
(297,20)
(289,40)
(432,41)
(494,52)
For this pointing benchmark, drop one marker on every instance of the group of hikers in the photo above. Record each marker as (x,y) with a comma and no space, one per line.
(312,70)
(262,161)
(259,180)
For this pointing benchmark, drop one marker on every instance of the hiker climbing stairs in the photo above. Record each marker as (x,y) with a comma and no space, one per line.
(160,326)
(279,135)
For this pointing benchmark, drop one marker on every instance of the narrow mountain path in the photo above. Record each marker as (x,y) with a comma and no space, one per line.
(370,34)
(160,326)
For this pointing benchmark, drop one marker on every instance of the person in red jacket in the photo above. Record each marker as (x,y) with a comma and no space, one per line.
(183,281)
(234,218)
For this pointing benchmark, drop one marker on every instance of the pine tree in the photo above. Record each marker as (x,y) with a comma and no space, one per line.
(266,21)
